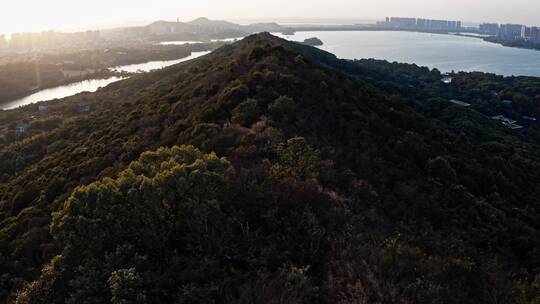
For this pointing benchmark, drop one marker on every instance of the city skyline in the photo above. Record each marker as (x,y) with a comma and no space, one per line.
(68,15)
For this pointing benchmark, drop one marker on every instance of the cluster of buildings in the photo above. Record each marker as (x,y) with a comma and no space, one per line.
(491,29)
(502,31)
(503,120)
(48,39)
(3,42)
(420,24)
(531,33)
(507,122)
(511,31)
(23,127)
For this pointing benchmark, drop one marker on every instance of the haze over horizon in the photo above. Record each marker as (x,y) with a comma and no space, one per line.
(34,15)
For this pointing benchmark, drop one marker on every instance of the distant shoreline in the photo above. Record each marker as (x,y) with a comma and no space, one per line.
(365,28)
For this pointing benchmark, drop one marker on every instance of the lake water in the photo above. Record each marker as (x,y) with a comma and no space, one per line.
(93,84)
(445,52)
(227,39)
(183,42)
(61,92)
(180,42)
(156,65)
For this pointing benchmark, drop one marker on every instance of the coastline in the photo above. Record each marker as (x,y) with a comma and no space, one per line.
(105,73)
(365,28)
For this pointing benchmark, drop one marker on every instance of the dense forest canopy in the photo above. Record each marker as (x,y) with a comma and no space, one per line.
(273,172)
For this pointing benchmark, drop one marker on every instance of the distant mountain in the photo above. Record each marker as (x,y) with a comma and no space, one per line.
(207,28)
(207,22)
(252,28)
(265,27)
(268,172)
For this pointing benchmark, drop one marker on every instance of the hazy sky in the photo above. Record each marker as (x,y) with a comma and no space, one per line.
(32,15)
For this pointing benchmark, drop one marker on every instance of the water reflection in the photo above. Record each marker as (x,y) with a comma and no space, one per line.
(155,65)
(61,92)
(94,84)
(180,42)
(183,42)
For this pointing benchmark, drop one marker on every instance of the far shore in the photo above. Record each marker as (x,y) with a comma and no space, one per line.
(368,28)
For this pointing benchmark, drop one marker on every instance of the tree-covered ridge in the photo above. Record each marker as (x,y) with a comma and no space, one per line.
(146,215)
(336,189)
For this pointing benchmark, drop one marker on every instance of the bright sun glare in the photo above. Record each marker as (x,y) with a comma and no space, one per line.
(39,15)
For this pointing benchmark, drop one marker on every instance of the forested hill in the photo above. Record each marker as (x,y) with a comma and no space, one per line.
(269,172)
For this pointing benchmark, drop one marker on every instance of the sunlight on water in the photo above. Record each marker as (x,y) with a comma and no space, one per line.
(183,42)
(180,42)
(227,39)
(155,65)
(94,84)
(62,91)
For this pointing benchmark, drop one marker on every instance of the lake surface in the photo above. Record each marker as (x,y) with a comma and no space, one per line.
(183,42)
(94,84)
(156,65)
(227,39)
(445,52)
(61,92)
(180,42)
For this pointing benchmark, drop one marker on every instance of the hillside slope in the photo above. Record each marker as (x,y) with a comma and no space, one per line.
(287,176)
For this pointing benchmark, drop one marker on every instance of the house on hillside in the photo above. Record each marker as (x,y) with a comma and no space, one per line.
(3,133)
(446,80)
(43,109)
(84,107)
(21,128)
(507,122)
(530,119)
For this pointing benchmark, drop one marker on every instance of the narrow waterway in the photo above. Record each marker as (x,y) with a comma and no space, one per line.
(93,85)
(156,65)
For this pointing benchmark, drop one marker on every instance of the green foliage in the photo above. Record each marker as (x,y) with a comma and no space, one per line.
(24,197)
(41,291)
(233,95)
(246,112)
(283,108)
(139,195)
(143,233)
(441,168)
(133,218)
(126,287)
(297,160)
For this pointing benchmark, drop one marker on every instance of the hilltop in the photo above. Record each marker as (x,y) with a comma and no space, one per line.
(268,172)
